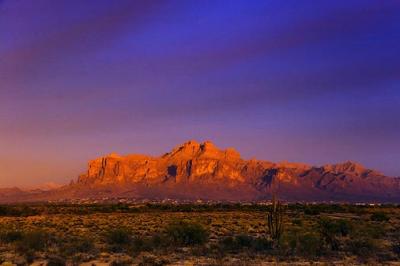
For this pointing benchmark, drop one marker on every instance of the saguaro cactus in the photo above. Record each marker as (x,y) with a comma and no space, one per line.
(275,219)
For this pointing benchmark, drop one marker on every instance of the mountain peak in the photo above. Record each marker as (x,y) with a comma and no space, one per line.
(195,170)
(208,145)
(207,149)
(187,149)
(114,155)
(190,143)
(347,166)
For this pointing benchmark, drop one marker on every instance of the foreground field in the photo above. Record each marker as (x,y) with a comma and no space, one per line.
(197,235)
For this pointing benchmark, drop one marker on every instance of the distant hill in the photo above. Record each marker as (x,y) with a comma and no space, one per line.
(202,171)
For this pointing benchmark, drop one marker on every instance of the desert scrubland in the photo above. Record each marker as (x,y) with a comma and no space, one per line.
(188,234)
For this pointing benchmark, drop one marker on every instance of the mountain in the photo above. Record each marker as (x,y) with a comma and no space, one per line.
(202,171)
(44,187)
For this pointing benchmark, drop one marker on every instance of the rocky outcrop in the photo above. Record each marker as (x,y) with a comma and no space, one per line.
(202,171)
(190,162)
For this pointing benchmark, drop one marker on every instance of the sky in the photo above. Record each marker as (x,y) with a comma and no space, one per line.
(304,81)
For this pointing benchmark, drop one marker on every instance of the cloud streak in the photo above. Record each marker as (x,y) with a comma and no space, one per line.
(281,74)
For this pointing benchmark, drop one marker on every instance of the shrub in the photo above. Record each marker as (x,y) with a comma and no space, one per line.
(152,261)
(147,244)
(239,242)
(344,227)
(288,243)
(331,229)
(29,256)
(3,210)
(157,241)
(228,243)
(312,210)
(362,247)
(119,239)
(298,222)
(125,262)
(11,236)
(55,261)
(244,240)
(139,244)
(379,217)
(300,243)
(33,241)
(119,236)
(77,245)
(186,233)
(18,211)
(396,248)
(261,244)
(83,244)
(334,208)
(309,245)
(365,230)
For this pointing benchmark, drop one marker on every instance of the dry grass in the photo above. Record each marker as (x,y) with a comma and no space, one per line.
(78,239)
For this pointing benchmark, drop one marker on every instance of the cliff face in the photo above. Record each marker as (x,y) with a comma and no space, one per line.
(201,170)
(190,162)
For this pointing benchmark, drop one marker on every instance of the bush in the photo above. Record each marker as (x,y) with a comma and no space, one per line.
(344,227)
(288,244)
(29,256)
(297,222)
(119,239)
(262,244)
(301,243)
(55,261)
(33,241)
(331,229)
(157,241)
(11,236)
(147,244)
(311,210)
(119,236)
(308,245)
(362,247)
(151,260)
(83,245)
(125,262)
(240,242)
(186,233)
(396,248)
(379,217)
(244,240)
(374,231)
(18,211)
(77,245)
(229,243)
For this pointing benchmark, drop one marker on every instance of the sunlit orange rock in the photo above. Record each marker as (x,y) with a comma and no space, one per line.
(202,170)
(196,170)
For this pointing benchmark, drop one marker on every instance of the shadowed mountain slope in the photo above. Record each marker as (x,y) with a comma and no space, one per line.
(202,171)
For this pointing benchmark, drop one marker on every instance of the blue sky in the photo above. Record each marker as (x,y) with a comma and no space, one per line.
(308,81)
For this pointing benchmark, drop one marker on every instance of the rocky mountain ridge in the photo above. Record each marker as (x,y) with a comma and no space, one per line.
(202,171)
